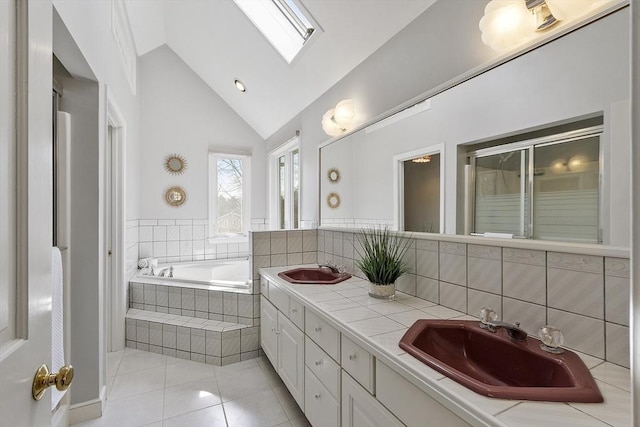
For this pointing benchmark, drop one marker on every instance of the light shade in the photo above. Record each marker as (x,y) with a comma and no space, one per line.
(329,126)
(507,24)
(344,113)
(339,119)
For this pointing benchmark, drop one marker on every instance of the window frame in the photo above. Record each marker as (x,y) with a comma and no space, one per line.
(530,145)
(214,236)
(287,149)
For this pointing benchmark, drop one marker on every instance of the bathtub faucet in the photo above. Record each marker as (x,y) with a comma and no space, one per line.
(171,271)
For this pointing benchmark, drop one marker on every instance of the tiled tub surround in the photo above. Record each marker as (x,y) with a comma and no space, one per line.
(215,327)
(378,325)
(201,340)
(185,240)
(581,289)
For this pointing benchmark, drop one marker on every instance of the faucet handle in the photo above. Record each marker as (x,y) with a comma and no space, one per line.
(488,315)
(551,338)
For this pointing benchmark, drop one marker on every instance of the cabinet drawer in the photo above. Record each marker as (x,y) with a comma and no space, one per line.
(410,404)
(325,335)
(324,367)
(279,298)
(296,313)
(359,363)
(321,408)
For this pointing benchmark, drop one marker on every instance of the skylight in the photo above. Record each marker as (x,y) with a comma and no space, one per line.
(282,22)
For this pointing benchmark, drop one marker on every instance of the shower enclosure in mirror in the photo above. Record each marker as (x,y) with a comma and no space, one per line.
(547,188)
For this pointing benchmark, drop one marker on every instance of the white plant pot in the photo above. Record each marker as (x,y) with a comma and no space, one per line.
(382,291)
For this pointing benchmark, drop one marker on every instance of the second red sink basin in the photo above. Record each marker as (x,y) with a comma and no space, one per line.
(313,276)
(494,365)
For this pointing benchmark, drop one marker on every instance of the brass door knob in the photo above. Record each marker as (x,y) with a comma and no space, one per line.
(45,379)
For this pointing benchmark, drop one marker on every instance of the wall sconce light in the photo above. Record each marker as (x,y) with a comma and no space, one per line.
(339,119)
(509,23)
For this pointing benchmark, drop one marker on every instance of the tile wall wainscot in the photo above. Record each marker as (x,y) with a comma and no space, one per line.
(581,289)
(280,248)
(355,222)
(186,240)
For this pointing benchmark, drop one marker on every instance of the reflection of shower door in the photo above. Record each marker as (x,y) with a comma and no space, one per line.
(502,193)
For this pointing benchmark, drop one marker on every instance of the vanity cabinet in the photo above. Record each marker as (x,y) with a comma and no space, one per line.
(283,343)
(333,378)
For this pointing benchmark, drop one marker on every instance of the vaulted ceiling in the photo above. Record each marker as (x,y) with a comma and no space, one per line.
(221,44)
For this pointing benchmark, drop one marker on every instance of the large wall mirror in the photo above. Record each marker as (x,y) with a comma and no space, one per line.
(558,122)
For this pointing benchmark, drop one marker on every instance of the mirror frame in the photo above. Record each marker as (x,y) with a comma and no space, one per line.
(169,196)
(172,158)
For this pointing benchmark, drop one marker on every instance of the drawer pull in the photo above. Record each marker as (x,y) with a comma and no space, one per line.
(294,310)
(317,396)
(352,356)
(273,329)
(318,362)
(317,329)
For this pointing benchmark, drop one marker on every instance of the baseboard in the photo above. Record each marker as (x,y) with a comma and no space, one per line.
(89,410)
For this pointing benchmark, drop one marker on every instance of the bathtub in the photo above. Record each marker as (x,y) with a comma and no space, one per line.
(214,274)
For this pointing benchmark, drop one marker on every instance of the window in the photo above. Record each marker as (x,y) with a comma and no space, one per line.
(282,22)
(285,194)
(547,188)
(229,195)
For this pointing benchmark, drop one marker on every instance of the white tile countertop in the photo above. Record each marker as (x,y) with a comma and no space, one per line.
(377,325)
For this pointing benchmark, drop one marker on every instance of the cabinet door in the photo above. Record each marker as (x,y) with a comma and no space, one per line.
(291,358)
(268,329)
(360,409)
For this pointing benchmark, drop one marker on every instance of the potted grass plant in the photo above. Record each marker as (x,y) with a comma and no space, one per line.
(381,260)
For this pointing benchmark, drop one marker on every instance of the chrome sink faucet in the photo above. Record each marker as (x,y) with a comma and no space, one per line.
(488,321)
(330,266)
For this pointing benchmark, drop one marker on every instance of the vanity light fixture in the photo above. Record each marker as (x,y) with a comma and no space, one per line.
(240,86)
(339,119)
(507,24)
(423,159)
(577,163)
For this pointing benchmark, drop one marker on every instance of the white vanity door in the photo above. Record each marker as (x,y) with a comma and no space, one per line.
(268,329)
(291,358)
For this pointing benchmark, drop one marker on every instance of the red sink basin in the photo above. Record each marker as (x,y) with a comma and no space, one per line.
(313,276)
(494,365)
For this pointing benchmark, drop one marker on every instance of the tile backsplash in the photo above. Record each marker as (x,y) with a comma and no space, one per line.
(585,296)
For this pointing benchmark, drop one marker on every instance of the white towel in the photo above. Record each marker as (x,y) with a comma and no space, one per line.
(57,322)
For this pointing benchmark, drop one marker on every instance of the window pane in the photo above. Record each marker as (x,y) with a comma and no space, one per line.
(229,206)
(502,201)
(565,191)
(282,184)
(296,188)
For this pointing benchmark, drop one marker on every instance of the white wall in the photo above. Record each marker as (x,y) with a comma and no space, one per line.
(83,42)
(180,114)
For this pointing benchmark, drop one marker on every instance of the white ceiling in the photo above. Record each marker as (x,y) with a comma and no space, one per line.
(220,44)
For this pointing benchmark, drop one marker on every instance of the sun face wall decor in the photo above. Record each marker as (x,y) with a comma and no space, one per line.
(175,164)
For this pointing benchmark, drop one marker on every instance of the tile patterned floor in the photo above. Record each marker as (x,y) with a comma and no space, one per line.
(152,390)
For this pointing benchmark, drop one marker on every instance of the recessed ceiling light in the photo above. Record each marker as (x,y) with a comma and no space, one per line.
(239,85)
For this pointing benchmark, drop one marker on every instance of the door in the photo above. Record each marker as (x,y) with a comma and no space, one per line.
(291,358)
(26,206)
(268,329)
